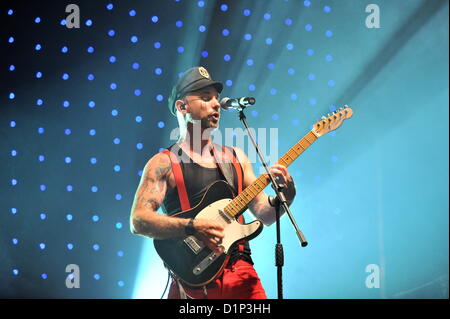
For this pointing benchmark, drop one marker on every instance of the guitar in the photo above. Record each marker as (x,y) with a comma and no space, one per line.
(189,258)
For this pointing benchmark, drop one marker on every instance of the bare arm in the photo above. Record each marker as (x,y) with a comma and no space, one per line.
(145,220)
(260,206)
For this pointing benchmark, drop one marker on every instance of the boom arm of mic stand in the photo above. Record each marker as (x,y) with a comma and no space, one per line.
(280,196)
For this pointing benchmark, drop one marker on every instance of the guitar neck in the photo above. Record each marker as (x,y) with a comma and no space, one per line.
(239,203)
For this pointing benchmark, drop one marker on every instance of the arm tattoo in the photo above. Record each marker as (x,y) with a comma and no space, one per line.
(154,185)
(152,204)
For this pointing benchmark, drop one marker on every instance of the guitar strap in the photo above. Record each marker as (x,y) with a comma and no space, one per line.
(223,159)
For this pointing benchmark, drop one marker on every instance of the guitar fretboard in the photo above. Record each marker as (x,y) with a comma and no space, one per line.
(239,203)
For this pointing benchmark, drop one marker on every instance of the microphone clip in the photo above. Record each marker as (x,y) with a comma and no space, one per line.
(237,103)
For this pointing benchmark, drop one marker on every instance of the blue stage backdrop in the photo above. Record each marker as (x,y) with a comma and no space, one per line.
(83,109)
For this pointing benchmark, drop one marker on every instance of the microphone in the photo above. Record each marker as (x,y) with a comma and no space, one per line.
(236,103)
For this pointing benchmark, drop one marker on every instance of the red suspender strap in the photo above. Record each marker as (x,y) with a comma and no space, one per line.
(179,179)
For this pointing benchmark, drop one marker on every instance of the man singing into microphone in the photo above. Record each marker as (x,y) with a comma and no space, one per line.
(177,178)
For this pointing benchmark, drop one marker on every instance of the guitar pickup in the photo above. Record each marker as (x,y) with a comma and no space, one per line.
(225,216)
(194,244)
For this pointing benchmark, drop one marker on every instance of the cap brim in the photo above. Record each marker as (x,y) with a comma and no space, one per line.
(202,84)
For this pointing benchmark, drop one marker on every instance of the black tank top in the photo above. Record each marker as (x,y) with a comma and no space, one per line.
(197,178)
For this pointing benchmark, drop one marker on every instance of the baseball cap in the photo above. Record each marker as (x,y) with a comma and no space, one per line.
(191,80)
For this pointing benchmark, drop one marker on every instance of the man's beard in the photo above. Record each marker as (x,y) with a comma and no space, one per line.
(209,123)
(205,123)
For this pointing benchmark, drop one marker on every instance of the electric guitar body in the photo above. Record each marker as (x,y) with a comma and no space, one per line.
(188,258)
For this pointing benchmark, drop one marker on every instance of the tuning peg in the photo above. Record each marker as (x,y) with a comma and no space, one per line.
(323,117)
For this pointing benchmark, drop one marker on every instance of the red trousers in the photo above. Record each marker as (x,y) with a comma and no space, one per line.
(238,281)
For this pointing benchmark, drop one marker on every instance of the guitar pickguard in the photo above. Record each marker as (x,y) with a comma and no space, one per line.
(234,231)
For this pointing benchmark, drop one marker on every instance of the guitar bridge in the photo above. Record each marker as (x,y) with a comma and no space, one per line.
(205,263)
(194,244)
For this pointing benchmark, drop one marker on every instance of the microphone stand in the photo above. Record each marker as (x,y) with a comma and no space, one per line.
(277,202)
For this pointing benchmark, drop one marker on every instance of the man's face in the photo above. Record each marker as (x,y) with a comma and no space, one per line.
(204,106)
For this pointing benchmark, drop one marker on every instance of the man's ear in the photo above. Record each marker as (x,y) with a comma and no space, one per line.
(181,106)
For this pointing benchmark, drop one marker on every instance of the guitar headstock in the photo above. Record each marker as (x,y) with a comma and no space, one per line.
(333,121)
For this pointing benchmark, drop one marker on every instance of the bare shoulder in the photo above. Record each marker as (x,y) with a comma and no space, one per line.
(240,154)
(158,167)
(153,184)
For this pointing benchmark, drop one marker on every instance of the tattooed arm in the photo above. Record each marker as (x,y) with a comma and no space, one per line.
(144,219)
